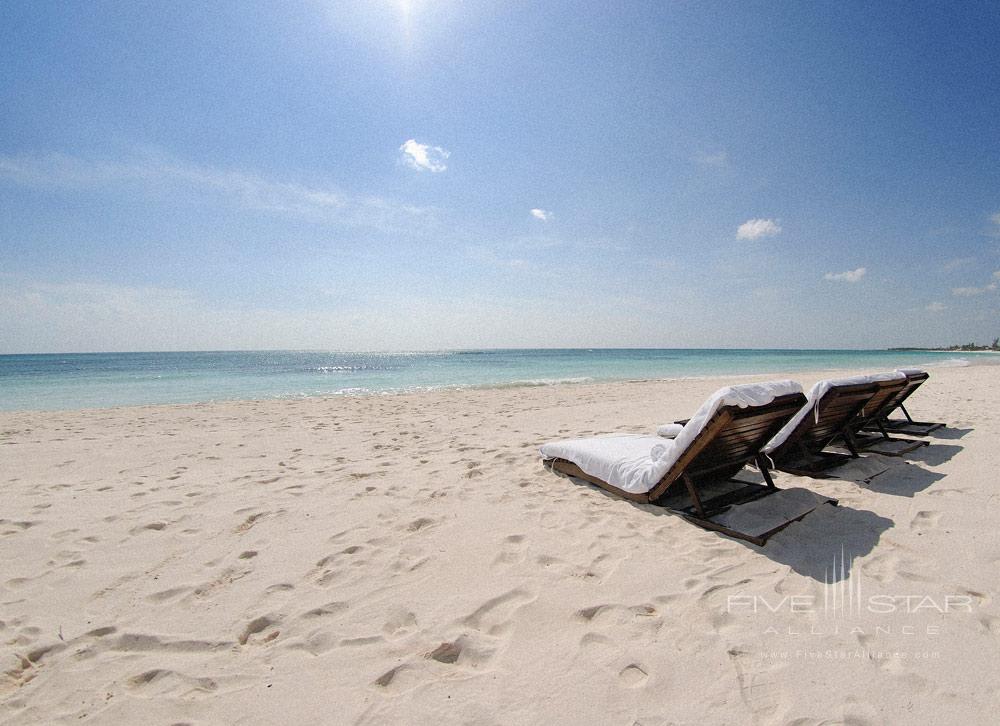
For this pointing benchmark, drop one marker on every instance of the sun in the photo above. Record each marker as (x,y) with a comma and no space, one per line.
(406,8)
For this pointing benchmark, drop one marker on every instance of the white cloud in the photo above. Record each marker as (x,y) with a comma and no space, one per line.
(848,276)
(162,176)
(541,214)
(424,157)
(757,228)
(957,262)
(973,291)
(489,256)
(718,159)
(936,307)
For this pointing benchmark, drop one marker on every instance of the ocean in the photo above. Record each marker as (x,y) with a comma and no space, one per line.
(99,380)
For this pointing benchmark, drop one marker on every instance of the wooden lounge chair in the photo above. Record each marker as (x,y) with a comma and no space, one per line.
(870,418)
(907,426)
(693,474)
(831,405)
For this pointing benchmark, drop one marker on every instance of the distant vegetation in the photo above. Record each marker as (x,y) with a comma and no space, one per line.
(995,345)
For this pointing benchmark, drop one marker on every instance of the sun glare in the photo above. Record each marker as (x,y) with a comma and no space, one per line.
(406,8)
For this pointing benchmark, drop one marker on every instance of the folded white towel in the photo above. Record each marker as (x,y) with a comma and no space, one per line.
(669,431)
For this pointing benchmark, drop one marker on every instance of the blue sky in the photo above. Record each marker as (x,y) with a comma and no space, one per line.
(382,174)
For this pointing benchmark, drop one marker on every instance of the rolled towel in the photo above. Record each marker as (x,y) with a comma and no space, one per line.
(669,431)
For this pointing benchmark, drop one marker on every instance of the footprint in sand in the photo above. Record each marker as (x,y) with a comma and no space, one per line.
(616,614)
(250,521)
(595,571)
(759,683)
(391,680)
(257,626)
(481,634)
(400,624)
(990,624)
(152,526)
(422,523)
(925,520)
(611,658)
(447,652)
(881,566)
(164,682)
(494,616)
(101,632)
(633,676)
(513,550)
(324,611)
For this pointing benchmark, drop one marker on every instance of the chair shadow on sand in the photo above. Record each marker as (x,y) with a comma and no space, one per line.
(899,477)
(809,546)
(903,479)
(935,454)
(949,433)
(825,544)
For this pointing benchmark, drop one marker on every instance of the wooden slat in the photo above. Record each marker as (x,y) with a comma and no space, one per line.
(750,428)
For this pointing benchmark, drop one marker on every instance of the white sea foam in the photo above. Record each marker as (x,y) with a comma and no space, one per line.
(534,382)
(952,363)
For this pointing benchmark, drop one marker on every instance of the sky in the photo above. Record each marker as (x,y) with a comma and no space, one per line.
(428,174)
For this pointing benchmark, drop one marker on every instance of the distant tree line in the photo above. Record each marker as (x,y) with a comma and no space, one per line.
(995,345)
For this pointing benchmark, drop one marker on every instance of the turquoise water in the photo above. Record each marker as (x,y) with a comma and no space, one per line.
(97,380)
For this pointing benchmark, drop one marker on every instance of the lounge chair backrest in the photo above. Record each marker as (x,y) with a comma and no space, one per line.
(833,404)
(876,407)
(729,440)
(826,419)
(914,379)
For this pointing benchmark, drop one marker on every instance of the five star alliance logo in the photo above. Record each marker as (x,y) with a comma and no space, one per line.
(844,600)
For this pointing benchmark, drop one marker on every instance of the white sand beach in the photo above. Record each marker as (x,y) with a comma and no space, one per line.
(406,559)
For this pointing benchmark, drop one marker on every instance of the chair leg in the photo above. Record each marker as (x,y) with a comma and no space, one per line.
(905,413)
(803,451)
(849,440)
(765,472)
(852,443)
(693,493)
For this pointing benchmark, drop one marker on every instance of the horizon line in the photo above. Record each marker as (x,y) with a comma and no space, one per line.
(418,351)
